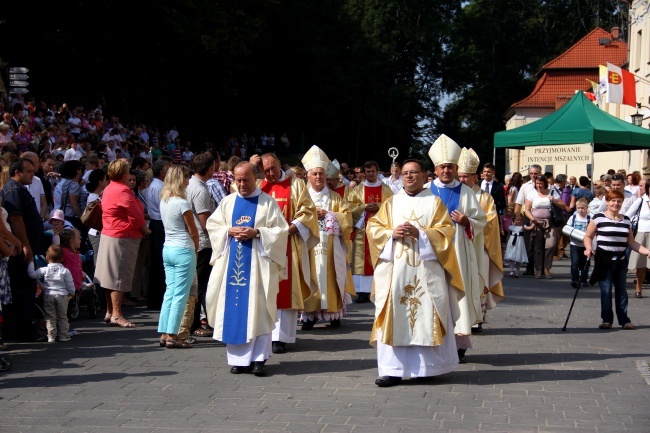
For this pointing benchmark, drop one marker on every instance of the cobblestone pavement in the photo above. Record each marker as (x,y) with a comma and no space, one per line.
(523,375)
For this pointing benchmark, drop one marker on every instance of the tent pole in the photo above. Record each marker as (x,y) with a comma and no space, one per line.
(494,156)
(593,164)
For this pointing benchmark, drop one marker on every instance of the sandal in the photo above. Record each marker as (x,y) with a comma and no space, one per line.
(629,325)
(605,325)
(115,321)
(173,343)
(638,295)
(203,332)
(163,340)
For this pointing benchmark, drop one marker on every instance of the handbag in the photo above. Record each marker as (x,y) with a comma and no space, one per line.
(557,216)
(635,220)
(92,216)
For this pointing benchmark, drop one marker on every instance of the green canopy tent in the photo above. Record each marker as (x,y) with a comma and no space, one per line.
(578,121)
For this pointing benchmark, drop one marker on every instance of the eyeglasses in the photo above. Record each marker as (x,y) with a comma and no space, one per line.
(410,173)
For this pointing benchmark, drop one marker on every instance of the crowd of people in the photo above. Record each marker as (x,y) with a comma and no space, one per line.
(247,249)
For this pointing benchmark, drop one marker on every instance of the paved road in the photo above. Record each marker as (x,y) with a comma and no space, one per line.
(524,375)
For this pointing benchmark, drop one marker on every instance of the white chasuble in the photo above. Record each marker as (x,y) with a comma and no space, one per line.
(470,257)
(267,260)
(331,254)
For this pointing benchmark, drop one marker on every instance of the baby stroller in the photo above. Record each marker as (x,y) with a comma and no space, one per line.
(84,297)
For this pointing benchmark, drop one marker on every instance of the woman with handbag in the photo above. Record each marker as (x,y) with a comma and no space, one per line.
(539,205)
(97,181)
(614,231)
(639,214)
(123,227)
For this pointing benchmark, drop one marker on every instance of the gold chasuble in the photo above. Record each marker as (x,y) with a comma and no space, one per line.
(360,196)
(492,266)
(297,283)
(414,291)
(331,256)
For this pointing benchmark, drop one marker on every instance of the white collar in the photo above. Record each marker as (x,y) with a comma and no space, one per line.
(323,191)
(254,194)
(437,182)
(283,176)
(378,183)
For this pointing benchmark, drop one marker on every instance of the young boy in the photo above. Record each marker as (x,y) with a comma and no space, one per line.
(58,290)
(579,220)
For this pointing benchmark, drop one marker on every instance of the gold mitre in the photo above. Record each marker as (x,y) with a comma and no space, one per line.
(444,151)
(315,158)
(333,169)
(468,161)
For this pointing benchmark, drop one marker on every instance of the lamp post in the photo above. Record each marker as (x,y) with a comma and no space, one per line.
(637,118)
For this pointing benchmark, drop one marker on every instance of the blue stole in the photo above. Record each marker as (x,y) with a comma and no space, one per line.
(450,197)
(235,316)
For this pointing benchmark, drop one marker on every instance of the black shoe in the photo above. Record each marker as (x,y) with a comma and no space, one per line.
(278,347)
(529,272)
(363,297)
(259,369)
(386,381)
(239,369)
(478,329)
(461,356)
(335,323)
(574,284)
(308,325)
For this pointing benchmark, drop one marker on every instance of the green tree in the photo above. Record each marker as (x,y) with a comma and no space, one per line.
(496,50)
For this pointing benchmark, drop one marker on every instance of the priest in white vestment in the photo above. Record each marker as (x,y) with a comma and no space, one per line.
(335,289)
(491,265)
(417,283)
(249,236)
(469,219)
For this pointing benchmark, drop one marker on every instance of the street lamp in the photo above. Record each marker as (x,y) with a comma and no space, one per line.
(637,118)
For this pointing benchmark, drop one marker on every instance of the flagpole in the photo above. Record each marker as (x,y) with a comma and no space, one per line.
(637,76)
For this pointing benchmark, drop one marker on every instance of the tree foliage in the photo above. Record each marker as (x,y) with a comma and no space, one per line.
(355,76)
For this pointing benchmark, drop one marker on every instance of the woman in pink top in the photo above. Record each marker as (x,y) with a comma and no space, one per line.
(123,227)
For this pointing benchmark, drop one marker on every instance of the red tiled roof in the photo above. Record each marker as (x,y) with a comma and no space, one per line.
(552,91)
(588,53)
(562,76)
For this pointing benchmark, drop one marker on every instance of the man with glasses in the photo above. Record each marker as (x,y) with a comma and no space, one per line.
(365,201)
(469,219)
(418,275)
(618,184)
(533,171)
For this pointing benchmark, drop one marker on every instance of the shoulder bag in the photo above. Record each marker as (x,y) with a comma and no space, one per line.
(635,219)
(92,216)
(557,215)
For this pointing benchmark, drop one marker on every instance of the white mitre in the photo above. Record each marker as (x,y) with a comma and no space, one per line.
(444,151)
(315,158)
(468,162)
(333,169)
